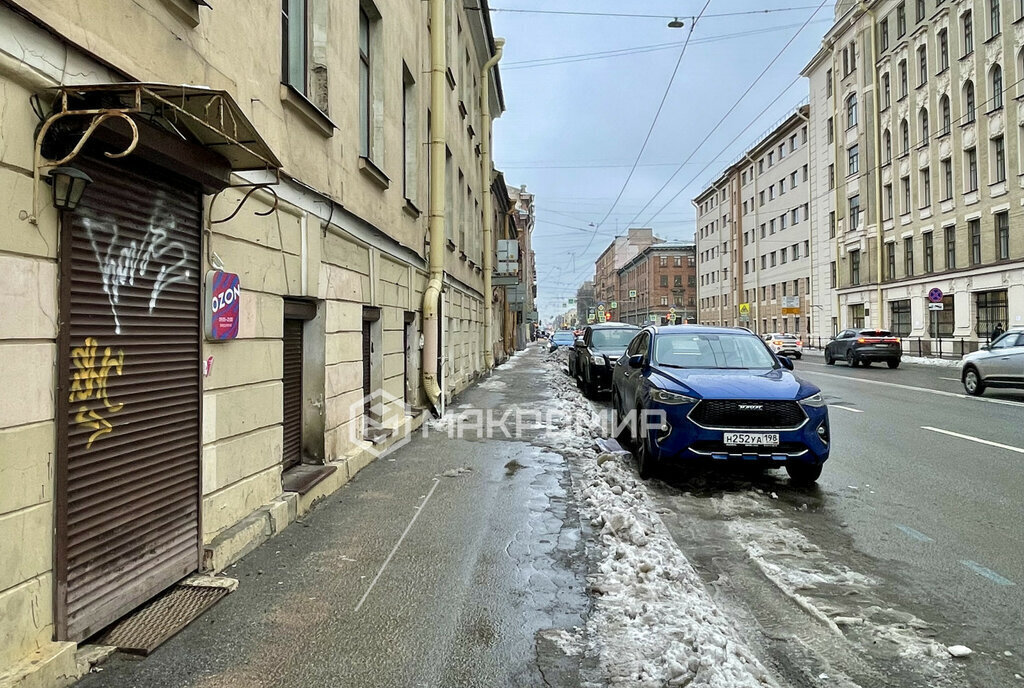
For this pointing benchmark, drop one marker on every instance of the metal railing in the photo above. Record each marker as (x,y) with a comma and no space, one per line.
(950,348)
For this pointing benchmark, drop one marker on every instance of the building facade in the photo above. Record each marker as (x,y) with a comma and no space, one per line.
(659,285)
(169,418)
(754,235)
(925,94)
(524,217)
(585,301)
(606,268)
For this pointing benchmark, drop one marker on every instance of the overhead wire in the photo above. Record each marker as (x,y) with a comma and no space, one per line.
(581,13)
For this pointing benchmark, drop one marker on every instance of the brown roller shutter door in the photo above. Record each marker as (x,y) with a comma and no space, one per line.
(292,452)
(128,486)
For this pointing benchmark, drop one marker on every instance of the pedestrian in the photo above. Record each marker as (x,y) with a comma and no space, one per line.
(997,331)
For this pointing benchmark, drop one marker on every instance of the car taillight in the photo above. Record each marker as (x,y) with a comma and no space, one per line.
(862,340)
(776,343)
(799,343)
(892,340)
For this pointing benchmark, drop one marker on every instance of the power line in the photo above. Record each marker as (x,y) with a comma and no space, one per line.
(726,115)
(650,131)
(577,13)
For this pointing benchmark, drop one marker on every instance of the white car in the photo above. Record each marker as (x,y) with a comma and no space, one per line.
(1000,364)
(785,344)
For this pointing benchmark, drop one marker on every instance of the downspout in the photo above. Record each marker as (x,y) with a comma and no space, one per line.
(757,249)
(486,176)
(840,320)
(879,245)
(438,121)
(810,234)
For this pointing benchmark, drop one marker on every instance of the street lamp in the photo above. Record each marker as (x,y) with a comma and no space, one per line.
(676,23)
(68,186)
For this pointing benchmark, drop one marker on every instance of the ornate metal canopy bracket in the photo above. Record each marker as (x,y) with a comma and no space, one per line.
(269,188)
(99,116)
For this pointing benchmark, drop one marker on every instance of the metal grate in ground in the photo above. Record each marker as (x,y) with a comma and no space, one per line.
(155,623)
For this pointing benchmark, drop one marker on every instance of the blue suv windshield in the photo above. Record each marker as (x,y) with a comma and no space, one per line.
(738,351)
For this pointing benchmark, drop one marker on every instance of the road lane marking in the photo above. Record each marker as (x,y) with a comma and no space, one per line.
(844,408)
(915,534)
(987,573)
(971,438)
(911,388)
(419,510)
(954,379)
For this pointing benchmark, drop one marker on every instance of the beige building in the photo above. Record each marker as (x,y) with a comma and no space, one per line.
(924,97)
(314,151)
(754,235)
(622,249)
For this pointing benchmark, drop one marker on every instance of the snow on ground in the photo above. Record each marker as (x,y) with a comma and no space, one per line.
(653,623)
(937,362)
(492,383)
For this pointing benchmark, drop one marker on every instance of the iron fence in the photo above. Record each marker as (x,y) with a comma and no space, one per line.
(952,348)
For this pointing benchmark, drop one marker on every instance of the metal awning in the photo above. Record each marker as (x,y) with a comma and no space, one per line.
(204,115)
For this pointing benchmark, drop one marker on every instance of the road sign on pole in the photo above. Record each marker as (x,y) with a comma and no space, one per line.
(744,312)
(936,306)
(935,295)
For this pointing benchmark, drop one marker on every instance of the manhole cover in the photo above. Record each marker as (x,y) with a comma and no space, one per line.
(146,629)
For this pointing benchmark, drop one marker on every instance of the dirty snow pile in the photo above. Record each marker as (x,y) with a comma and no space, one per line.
(936,362)
(654,623)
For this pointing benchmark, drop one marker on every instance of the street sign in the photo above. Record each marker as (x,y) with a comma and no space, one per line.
(632,293)
(745,312)
(935,295)
(791,305)
(615,304)
(572,300)
(936,306)
(590,319)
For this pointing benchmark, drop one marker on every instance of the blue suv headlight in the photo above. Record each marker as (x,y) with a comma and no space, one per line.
(813,401)
(673,398)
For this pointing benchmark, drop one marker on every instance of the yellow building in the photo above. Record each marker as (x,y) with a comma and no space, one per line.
(158,418)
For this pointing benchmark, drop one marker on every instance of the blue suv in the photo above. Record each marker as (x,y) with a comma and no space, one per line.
(687,392)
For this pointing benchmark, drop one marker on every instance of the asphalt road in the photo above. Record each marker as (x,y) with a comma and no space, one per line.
(923,497)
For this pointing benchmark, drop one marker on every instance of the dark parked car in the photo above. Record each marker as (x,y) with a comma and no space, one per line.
(864,347)
(595,351)
(689,393)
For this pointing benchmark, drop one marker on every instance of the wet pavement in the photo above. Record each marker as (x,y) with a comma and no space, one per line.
(450,562)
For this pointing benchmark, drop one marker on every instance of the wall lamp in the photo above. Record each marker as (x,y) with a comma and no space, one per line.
(68,186)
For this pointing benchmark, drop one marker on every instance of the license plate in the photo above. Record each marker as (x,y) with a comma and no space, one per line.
(752,439)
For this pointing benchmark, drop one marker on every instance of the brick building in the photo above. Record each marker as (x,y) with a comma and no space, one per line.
(621,250)
(658,281)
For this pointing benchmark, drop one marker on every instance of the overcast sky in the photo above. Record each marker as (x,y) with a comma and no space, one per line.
(574,127)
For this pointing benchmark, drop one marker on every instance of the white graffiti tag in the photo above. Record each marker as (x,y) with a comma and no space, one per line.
(119,264)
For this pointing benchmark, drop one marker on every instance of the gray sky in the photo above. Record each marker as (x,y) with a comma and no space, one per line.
(573,129)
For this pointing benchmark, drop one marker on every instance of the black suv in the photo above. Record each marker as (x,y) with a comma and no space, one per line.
(595,352)
(864,347)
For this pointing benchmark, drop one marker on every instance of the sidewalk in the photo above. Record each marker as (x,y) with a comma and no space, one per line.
(448,562)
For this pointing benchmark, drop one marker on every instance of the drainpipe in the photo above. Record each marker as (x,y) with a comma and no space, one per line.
(878,320)
(486,176)
(438,121)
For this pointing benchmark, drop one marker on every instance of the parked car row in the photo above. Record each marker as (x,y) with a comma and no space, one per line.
(689,393)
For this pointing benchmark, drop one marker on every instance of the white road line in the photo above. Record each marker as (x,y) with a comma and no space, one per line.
(954,379)
(986,572)
(974,439)
(394,549)
(844,408)
(915,534)
(850,378)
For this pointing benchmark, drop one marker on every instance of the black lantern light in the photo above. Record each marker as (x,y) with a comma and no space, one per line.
(675,24)
(68,186)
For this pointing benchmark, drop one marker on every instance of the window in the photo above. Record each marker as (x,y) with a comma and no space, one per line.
(908,257)
(887,199)
(967,26)
(944,114)
(901,20)
(905,186)
(883,31)
(950,236)
(947,179)
(929,253)
(905,136)
(854,206)
(993,13)
(664,280)
(903,79)
(887,145)
(303,50)
(943,50)
(771,158)
(996,81)
(890,260)
(677,281)
(805,173)
(782,222)
(365,85)
(899,317)
(971,155)
(991,309)
(831,176)
(851,111)
(922,66)
(853,159)
(923,119)
(832,274)
(828,84)
(926,187)
(970,111)
(830,129)
(854,267)
(886,91)
(783,255)
(832,224)
(998,159)
(920,10)
(410,129)
(1003,235)
(974,234)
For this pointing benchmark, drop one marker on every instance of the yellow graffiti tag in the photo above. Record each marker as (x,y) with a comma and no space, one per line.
(89,382)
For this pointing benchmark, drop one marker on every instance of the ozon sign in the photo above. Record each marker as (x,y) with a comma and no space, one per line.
(222,309)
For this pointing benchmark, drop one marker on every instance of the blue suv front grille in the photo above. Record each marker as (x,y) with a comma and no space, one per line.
(743,414)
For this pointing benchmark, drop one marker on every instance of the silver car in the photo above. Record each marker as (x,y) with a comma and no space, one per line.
(1000,364)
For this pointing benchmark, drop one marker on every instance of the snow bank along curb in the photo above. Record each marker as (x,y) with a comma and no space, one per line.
(654,623)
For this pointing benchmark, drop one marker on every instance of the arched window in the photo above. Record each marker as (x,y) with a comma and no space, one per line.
(887,145)
(851,111)
(923,118)
(996,81)
(970,111)
(944,113)
(905,134)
